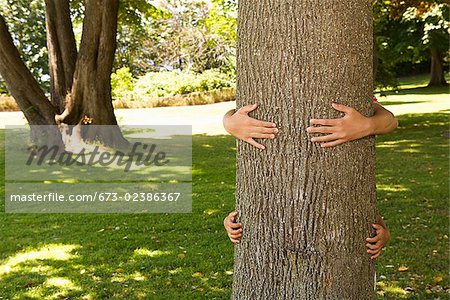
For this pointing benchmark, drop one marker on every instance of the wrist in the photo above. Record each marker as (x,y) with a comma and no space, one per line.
(370,127)
(226,119)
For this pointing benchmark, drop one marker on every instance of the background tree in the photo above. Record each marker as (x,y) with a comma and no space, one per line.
(306,211)
(410,37)
(192,35)
(75,100)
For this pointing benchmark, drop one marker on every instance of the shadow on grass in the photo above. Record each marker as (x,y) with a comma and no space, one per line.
(127,256)
(387,103)
(418,91)
(412,189)
(188,256)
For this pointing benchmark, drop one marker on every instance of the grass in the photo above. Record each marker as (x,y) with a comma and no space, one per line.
(126,256)
(413,90)
(413,197)
(188,256)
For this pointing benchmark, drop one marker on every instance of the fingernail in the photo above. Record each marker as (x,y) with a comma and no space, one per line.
(276,130)
(308,129)
(313,140)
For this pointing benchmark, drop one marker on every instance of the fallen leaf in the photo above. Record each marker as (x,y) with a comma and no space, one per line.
(403,268)
(197,274)
(31,283)
(181,255)
(438,279)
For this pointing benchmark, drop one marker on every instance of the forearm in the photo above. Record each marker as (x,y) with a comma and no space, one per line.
(381,221)
(225,119)
(382,122)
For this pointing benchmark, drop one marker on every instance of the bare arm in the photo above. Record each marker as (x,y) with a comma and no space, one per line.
(352,126)
(383,121)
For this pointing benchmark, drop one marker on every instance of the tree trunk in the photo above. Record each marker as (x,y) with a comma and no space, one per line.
(437,69)
(87,77)
(376,61)
(306,211)
(62,50)
(90,101)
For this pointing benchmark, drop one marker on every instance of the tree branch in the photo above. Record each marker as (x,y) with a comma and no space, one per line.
(62,50)
(22,85)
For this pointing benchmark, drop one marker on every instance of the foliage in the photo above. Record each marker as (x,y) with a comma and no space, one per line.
(162,84)
(122,82)
(196,98)
(184,35)
(26,22)
(404,33)
(3,87)
(435,22)
(194,36)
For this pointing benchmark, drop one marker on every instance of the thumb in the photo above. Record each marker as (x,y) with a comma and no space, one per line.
(342,108)
(248,108)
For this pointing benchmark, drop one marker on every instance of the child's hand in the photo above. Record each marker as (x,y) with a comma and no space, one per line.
(376,244)
(234,230)
(247,128)
(351,127)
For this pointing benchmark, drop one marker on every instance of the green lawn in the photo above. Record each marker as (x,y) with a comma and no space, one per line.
(188,256)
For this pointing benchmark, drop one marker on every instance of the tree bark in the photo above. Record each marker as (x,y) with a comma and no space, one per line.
(62,50)
(437,69)
(306,211)
(90,101)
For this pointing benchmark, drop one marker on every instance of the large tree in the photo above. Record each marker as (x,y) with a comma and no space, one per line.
(306,210)
(412,33)
(80,80)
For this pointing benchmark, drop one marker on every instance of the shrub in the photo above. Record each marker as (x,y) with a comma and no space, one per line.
(122,84)
(165,84)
